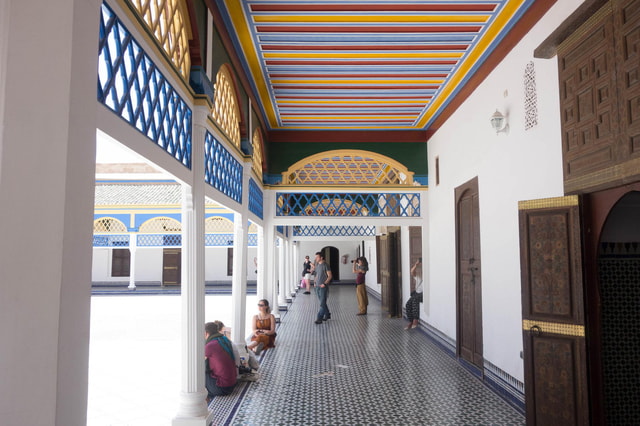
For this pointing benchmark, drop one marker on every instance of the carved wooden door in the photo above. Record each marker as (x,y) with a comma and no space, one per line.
(469,281)
(388,258)
(553,312)
(171,262)
(415,249)
(382,246)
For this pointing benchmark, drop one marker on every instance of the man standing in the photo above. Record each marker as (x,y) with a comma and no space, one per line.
(220,366)
(323,279)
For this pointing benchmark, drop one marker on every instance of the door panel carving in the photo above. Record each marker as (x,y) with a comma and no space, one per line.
(599,73)
(469,281)
(553,312)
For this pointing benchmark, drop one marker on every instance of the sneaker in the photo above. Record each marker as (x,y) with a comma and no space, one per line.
(258,348)
(307,292)
(361,313)
(318,321)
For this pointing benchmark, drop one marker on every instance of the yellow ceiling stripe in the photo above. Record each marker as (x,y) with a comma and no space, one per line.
(387,19)
(474,55)
(239,22)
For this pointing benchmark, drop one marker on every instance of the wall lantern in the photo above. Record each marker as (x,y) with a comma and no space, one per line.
(499,122)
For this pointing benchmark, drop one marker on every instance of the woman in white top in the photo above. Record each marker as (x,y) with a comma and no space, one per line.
(413,304)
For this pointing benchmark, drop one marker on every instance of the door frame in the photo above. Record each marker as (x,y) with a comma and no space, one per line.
(475,365)
(596,209)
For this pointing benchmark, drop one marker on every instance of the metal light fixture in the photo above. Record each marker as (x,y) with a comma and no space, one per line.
(499,122)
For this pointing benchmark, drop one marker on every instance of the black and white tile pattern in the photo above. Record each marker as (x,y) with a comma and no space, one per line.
(359,370)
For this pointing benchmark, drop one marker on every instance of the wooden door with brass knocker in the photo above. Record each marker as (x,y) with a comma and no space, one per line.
(469,336)
(553,330)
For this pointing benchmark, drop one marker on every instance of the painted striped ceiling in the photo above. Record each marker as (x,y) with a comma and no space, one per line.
(350,64)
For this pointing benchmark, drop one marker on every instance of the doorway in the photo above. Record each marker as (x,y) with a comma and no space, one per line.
(389,270)
(332,257)
(171,266)
(469,276)
(618,262)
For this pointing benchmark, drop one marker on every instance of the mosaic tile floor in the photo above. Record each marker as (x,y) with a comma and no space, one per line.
(358,370)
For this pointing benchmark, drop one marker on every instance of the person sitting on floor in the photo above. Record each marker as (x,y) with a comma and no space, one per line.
(221,373)
(264,328)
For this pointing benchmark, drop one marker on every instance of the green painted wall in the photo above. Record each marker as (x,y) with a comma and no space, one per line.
(412,155)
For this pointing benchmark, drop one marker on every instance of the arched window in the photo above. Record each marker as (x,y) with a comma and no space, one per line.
(108,225)
(217,224)
(160,225)
(257,152)
(166,19)
(226,112)
(347,167)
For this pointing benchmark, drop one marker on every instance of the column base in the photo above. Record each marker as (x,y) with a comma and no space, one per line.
(192,410)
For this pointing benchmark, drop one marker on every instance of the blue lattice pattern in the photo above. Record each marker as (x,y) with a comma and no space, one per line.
(218,240)
(221,170)
(131,85)
(256,200)
(159,240)
(226,240)
(334,231)
(335,204)
(111,240)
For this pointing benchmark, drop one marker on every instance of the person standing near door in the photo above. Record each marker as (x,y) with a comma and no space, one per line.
(360,267)
(323,279)
(413,304)
(306,275)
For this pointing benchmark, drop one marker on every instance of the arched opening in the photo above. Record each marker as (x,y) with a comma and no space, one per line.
(619,277)
(332,257)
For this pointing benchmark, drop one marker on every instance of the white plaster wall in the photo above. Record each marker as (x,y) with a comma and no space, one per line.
(149,265)
(100,264)
(510,167)
(349,247)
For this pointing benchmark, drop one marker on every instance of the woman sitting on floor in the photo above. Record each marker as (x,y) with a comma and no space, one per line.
(264,328)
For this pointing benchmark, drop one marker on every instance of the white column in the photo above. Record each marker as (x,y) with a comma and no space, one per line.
(297,271)
(240,256)
(192,407)
(48,66)
(239,278)
(282,288)
(262,262)
(133,248)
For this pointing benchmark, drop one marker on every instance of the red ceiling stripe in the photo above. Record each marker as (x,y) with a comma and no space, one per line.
(354,86)
(358,106)
(425,47)
(374,96)
(368,29)
(352,62)
(373,7)
(347,75)
(324,123)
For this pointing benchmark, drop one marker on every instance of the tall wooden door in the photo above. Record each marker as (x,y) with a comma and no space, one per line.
(469,282)
(171,266)
(415,251)
(553,312)
(388,250)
